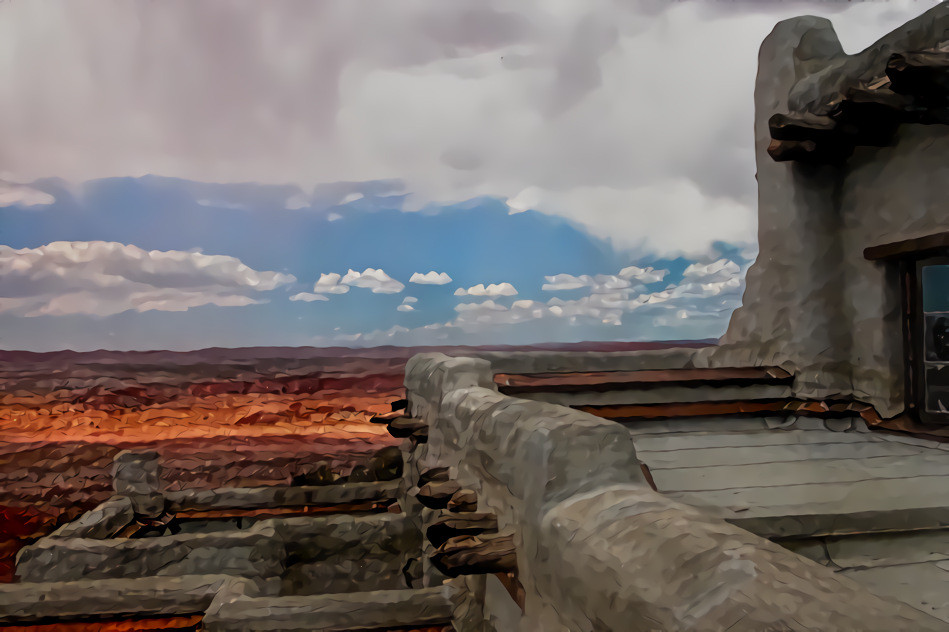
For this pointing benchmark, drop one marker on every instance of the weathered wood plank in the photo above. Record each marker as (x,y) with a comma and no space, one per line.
(773,454)
(813,408)
(877,495)
(701,441)
(888,549)
(643,379)
(922,586)
(800,472)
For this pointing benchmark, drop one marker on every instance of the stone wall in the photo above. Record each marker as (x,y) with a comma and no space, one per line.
(597,549)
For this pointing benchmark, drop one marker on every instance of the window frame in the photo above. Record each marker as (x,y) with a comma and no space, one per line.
(914,328)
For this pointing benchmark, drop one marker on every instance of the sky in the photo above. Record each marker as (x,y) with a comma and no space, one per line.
(195,173)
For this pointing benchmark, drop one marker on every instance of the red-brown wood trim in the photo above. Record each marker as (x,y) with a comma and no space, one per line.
(812,408)
(599,381)
(909,248)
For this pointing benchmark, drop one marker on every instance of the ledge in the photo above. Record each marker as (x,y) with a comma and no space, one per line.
(909,248)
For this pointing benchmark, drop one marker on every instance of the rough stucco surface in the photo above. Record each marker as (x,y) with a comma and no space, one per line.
(596,548)
(812,303)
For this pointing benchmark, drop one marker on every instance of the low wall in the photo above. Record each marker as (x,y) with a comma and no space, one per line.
(597,549)
(311,553)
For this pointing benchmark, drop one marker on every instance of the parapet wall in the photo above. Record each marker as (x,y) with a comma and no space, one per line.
(597,549)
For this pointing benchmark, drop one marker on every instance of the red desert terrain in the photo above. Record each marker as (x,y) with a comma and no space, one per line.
(235,417)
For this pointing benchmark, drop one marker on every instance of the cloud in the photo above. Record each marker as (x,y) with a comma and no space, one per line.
(406,305)
(547,105)
(707,290)
(296,202)
(559,282)
(12,194)
(308,297)
(430,278)
(717,271)
(499,289)
(643,275)
(372,279)
(103,278)
(329,284)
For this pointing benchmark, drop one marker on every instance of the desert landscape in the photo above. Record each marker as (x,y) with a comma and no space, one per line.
(218,417)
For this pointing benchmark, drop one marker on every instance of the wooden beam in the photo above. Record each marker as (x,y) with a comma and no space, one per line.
(801,127)
(436,495)
(445,529)
(810,152)
(404,427)
(811,408)
(399,404)
(464,500)
(476,555)
(385,418)
(937,243)
(601,381)
(432,475)
(922,74)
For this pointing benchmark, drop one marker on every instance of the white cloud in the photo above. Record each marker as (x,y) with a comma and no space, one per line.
(372,279)
(406,305)
(352,197)
(308,297)
(12,194)
(102,278)
(560,282)
(706,291)
(329,284)
(296,202)
(643,275)
(493,289)
(410,299)
(430,278)
(334,217)
(717,271)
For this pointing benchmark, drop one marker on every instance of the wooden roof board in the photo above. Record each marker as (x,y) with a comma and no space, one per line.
(599,381)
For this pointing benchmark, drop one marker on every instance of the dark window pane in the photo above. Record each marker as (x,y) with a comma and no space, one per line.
(936,288)
(934,281)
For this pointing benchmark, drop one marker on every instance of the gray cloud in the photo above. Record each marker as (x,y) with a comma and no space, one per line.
(633,119)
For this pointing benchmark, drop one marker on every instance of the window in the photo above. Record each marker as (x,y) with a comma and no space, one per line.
(932,327)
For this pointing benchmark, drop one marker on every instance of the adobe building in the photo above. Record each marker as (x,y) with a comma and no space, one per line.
(850,290)
(793,477)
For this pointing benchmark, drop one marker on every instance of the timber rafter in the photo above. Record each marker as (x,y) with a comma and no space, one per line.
(912,88)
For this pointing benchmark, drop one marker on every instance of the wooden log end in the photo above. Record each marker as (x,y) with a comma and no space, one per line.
(436,495)
(450,527)
(475,555)
(403,427)
(463,501)
(432,475)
